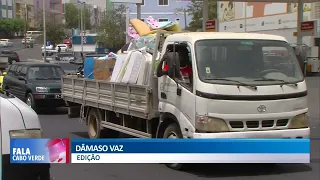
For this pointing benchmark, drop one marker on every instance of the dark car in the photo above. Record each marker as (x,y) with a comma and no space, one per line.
(67,67)
(12,56)
(37,84)
(64,57)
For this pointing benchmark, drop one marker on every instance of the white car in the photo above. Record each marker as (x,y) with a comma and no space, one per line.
(50,47)
(28,40)
(6,42)
(18,120)
(63,47)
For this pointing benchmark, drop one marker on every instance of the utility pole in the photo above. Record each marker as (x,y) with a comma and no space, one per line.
(25,25)
(81,30)
(83,14)
(44,31)
(185,17)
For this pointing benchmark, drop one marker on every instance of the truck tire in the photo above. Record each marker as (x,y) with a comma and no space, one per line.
(95,130)
(94,124)
(173,131)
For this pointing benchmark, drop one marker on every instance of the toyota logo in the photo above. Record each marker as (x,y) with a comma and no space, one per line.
(261,108)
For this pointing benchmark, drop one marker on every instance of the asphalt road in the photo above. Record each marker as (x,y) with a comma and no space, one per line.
(56,124)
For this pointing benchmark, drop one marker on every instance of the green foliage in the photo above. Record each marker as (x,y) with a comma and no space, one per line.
(9,27)
(195,9)
(55,30)
(112,28)
(55,33)
(73,16)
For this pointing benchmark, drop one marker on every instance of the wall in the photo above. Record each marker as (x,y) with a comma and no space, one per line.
(6,9)
(152,8)
(269,18)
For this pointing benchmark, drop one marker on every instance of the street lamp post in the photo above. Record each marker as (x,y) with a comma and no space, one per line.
(44,31)
(82,26)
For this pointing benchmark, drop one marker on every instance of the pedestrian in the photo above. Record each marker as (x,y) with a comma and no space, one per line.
(59,49)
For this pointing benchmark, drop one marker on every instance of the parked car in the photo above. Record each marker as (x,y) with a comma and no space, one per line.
(19,121)
(6,42)
(63,47)
(64,56)
(68,42)
(37,84)
(28,40)
(12,56)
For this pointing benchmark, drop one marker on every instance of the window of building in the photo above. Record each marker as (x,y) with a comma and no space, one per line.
(4,7)
(9,7)
(163,2)
(163,19)
(38,4)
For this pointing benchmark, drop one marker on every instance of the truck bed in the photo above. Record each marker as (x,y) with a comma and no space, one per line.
(133,100)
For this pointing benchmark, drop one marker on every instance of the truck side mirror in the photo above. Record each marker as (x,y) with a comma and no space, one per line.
(174,68)
(173,64)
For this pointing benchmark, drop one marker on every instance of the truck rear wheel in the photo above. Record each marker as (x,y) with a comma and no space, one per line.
(95,130)
(173,132)
(94,124)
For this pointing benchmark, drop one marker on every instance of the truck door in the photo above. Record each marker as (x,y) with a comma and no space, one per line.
(182,103)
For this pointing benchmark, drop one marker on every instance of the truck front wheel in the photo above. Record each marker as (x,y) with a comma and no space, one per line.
(173,132)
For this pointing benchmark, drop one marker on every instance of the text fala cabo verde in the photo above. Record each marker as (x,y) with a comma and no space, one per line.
(24,154)
(96,149)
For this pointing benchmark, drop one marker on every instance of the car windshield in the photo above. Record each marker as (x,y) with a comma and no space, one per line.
(45,72)
(256,62)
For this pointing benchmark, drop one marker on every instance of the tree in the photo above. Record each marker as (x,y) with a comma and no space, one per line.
(55,30)
(195,9)
(73,16)
(18,25)
(8,27)
(112,28)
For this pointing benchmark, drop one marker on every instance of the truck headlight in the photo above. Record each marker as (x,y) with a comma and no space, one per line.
(42,89)
(26,133)
(299,121)
(211,124)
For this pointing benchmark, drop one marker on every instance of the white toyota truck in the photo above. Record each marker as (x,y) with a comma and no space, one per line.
(241,85)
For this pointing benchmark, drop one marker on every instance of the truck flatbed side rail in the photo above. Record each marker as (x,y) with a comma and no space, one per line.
(133,100)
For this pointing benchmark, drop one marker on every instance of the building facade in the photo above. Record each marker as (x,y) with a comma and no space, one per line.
(7,9)
(163,10)
(265,17)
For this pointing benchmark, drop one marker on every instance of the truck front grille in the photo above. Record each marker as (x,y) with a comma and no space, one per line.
(259,124)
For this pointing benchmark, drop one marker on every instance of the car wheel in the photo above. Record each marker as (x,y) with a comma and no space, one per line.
(30,101)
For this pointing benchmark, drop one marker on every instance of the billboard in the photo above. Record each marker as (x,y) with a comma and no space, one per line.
(258,16)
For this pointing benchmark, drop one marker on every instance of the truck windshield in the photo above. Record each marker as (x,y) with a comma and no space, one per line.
(255,62)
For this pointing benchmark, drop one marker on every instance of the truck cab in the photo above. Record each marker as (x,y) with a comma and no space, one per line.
(237,89)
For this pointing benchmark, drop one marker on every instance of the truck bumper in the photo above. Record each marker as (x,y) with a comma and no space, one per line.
(24,171)
(286,133)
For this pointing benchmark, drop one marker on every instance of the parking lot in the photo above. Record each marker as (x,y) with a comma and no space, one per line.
(56,124)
